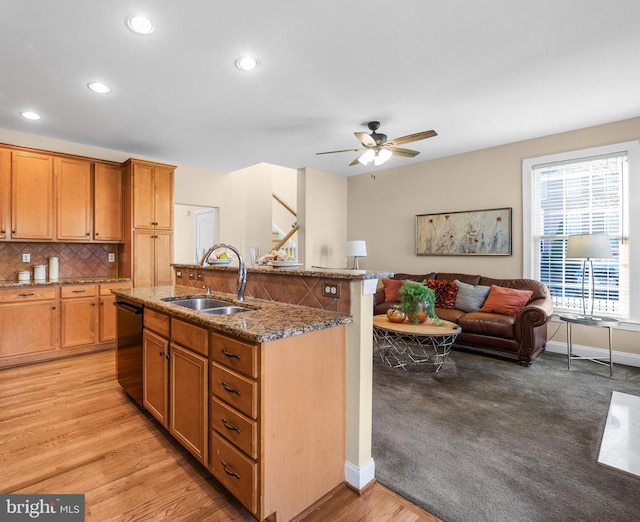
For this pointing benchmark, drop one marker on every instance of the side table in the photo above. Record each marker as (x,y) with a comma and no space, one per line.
(598,322)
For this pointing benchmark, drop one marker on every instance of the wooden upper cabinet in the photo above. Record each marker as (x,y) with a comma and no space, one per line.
(5,191)
(152,196)
(32,211)
(107,205)
(73,197)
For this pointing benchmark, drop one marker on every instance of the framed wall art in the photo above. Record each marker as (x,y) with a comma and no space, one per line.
(467,233)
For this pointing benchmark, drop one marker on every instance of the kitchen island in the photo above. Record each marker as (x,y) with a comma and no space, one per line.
(257,396)
(342,290)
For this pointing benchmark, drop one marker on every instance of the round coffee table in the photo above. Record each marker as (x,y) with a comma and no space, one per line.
(414,346)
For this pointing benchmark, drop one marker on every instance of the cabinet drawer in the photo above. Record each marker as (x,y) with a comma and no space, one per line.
(190,336)
(69,292)
(235,427)
(235,471)
(105,289)
(156,321)
(239,356)
(27,293)
(234,389)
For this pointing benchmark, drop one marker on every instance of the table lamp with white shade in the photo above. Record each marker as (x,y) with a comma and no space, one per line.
(356,249)
(588,247)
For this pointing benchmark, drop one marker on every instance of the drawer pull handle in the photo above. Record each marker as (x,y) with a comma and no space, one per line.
(78,291)
(25,295)
(228,471)
(228,426)
(229,354)
(228,388)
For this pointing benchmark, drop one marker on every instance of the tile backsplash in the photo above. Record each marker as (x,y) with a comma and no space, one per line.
(75,259)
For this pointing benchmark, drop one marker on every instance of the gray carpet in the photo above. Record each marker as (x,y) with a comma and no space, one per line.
(487,440)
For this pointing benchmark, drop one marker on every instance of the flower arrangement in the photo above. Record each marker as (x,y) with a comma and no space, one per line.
(418,301)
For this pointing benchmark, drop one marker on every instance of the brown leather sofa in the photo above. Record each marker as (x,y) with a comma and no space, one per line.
(521,337)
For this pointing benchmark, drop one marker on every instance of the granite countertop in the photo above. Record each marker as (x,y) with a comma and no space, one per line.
(65,281)
(334,273)
(266,321)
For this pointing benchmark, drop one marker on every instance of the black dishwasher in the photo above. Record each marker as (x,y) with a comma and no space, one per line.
(129,348)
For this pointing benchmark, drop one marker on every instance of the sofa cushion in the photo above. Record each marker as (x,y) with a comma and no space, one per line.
(470,298)
(506,301)
(392,289)
(493,325)
(445,292)
(449,314)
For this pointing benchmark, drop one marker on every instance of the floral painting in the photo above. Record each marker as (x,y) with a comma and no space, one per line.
(475,232)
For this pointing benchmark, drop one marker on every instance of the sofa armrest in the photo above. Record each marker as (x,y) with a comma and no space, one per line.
(530,324)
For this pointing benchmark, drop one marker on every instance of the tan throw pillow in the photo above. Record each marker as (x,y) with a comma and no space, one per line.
(506,301)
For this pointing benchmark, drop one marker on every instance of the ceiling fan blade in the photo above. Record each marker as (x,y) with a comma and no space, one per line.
(365,139)
(407,153)
(412,137)
(334,151)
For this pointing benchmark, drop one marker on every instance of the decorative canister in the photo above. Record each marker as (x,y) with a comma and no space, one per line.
(53,269)
(24,276)
(395,314)
(40,273)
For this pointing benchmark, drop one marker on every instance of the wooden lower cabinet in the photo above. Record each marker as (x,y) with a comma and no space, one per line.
(28,322)
(156,375)
(79,315)
(278,419)
(188,400)
(176,379)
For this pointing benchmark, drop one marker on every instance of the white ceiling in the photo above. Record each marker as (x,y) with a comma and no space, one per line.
(480,72)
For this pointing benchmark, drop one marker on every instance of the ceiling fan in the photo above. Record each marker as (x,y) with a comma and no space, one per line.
(378,149)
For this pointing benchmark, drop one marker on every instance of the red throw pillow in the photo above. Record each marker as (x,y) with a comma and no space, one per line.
(446,292)
(506,301)
(392,289)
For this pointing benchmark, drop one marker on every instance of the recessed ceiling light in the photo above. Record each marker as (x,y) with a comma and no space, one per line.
(30,115)
(140,24)
(99,87)
(247,63)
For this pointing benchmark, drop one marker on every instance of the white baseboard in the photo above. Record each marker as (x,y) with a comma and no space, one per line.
(357,477)
(628,359)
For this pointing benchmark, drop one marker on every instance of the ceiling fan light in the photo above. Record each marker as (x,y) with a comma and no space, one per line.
(381,156)
(366,158)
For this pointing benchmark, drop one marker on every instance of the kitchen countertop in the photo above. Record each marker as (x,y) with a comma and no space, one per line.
(267,321)
(66,281)
(334,273)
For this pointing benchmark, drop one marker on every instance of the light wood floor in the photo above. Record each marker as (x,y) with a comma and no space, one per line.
(67,427)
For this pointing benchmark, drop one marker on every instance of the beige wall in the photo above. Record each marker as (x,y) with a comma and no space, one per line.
(382,210)
(322,217)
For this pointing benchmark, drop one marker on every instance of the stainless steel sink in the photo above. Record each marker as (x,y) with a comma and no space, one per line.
(226,310)
(207,305)
(198,303)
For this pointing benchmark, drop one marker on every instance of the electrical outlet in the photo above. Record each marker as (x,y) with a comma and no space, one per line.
(179,273)
(331,289)
(26,258)
(112,257)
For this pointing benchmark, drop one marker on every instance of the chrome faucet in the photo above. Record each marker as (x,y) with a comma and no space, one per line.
(242,272)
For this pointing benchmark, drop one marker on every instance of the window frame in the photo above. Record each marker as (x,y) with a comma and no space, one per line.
(530,260)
